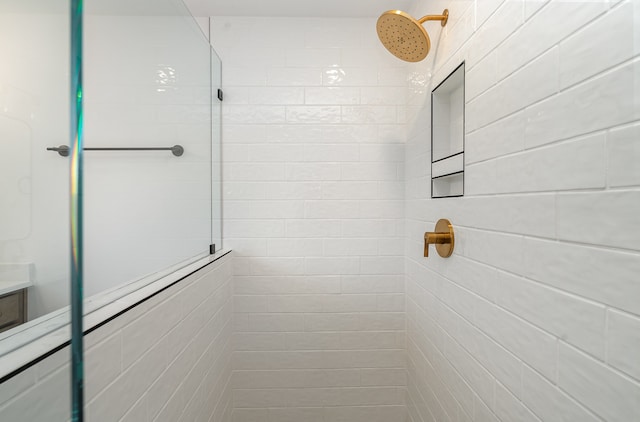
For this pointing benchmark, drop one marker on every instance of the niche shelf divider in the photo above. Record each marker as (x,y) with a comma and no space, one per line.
(447,136)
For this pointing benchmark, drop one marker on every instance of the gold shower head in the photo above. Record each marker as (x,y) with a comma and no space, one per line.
(404,36)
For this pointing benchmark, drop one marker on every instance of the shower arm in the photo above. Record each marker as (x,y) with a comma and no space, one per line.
(443,18)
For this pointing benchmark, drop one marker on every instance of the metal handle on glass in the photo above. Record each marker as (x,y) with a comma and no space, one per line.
(177,150)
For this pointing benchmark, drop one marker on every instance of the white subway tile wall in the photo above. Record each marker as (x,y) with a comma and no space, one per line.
(168,359)
(535,317)
(333,313)
(313,205)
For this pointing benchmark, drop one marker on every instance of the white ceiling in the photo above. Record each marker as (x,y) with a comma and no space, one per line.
(313,8)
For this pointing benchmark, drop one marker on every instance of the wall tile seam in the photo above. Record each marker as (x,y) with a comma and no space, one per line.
(340,219)
(608,142)
(298,202)
(607,336)
(323,104)
(495,49)
(413,408)
(357,406)
(340,123)
(519,400)
(455,58)
(216,315)
(493,377)
(316,351)
(111,335)
(492,14)
(577,348)
(459,21)
(554,383)
(557,42)
(604,72)
(396,388)
(477,396)
(33,387)
(250,144)
(556,240)
(328,254)
(174,290)
(177,391)
(97,395)
(318,295)
(511,112)
(560,92)
(217,312)
(314,237)
(226,347)
(143,397)
(300,140)
(460,407)
(513,315)
(201,300)
(312,86)
(434,393)
(229,401)
(538,283)
(617,372)
(425,407)
(468,99)
(334,313)
(539,10)
(486,231)
(319,333)
(359,371)
(145,356)
(542,147)
(574,401)
(453,366)
(487,335)
(168,402)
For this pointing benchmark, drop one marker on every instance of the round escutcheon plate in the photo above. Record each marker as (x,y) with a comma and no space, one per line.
(445,249)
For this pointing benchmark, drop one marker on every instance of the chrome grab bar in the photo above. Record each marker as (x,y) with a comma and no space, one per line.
(63,150)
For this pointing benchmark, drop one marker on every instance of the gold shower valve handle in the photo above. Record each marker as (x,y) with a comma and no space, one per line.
(443,239)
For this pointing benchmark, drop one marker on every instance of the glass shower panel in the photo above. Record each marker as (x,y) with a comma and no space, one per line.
(147,85)
(34,190)
(216,149)
(34,183)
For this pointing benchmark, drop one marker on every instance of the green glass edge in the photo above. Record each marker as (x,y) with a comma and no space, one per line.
(76,189)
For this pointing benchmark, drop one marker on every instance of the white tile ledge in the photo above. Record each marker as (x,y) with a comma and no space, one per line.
(36,339)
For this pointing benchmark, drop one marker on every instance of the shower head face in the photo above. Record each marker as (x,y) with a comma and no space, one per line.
(403,36)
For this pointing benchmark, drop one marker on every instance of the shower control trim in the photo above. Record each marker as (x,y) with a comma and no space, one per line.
(442,237)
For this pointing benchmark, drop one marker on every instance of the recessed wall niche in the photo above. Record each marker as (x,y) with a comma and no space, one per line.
(447,136)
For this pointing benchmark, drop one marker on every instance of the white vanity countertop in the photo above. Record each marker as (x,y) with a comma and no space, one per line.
(15,276)
(12,286)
